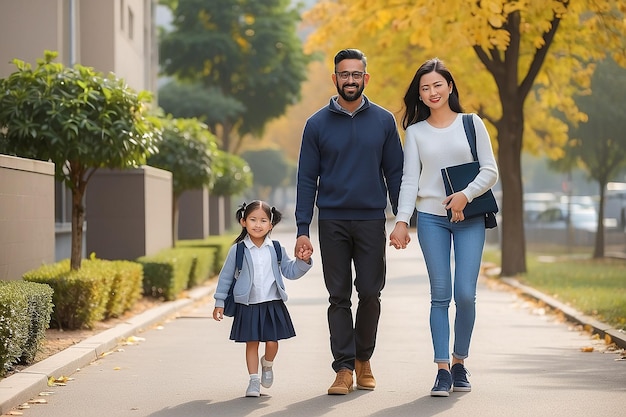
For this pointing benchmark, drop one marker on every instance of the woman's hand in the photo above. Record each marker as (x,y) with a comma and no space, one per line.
(456,202)
(399,238)
(218,313)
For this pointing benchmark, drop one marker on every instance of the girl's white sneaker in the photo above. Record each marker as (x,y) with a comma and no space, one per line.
(267,374)
(254,388)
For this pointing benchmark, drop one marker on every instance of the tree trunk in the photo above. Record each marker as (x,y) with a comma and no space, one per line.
(598,250)
(510,133)
(174,219)
(78,220)
(226,131)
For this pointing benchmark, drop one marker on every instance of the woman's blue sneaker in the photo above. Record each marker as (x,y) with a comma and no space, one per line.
(443,384)
(459,378)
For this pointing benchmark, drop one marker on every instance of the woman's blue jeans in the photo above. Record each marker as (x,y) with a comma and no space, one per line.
(436,235)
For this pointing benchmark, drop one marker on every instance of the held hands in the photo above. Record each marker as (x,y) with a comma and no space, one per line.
(399,238)
(304,254)
(456,202)
(303,249)
(218,313)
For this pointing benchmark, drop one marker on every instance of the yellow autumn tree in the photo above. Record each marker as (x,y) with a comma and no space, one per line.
(515,62)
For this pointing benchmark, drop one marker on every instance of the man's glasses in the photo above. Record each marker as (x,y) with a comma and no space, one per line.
(356,75)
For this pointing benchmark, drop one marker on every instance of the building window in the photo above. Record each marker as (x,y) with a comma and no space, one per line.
(63,204)
(122,11)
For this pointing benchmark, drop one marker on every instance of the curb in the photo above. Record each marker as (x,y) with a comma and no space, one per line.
(27,384)
(589,323)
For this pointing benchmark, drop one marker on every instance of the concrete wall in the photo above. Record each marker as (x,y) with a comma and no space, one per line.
(26,215)
(217,215)
(193,214)
(129,213)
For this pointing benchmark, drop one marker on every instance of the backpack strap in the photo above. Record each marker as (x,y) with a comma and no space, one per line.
(470,132)
(279,251)
(238,259)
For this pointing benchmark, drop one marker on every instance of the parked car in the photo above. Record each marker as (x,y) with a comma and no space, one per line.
(536,203)
(581,217)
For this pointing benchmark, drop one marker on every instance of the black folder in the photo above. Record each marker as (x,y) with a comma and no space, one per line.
(456,178)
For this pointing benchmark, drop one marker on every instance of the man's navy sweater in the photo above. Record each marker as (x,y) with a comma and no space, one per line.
(348,165)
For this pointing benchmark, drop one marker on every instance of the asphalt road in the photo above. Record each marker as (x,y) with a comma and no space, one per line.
(523,362)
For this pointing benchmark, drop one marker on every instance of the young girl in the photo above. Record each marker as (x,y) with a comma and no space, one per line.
(435,139)
(259,292)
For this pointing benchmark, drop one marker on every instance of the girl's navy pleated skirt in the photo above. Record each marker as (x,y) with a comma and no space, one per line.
(264,322)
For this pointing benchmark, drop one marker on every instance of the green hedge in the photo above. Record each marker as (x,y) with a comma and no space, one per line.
(218,244)
(25,310)
(99,289)
(203,266)
(126,289)
(166,274)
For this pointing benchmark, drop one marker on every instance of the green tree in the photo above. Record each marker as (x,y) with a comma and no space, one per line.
(516,60)
(187,151)
(233,174)
(78,119)
(598,144)
(210,106)
(269,168)
(246,49)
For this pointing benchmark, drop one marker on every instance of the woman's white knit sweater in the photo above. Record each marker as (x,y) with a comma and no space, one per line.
(427,150)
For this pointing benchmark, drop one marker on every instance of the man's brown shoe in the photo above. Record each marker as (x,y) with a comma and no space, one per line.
(364,377)
(344,383)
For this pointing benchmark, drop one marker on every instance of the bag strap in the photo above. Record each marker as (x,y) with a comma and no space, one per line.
(238,259)
(470,133)
(279,251)
(239,256)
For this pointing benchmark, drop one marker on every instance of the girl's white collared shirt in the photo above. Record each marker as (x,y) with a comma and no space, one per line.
(264,283)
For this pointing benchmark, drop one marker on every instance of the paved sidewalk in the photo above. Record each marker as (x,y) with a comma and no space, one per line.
(523,362)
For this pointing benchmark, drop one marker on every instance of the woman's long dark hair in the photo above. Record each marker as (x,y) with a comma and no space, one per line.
(415,109)
(244,211)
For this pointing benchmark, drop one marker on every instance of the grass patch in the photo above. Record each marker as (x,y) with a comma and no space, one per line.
(596,287)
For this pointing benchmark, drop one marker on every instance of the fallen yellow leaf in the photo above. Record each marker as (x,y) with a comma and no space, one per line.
(587,349)
(38,401)
(133,340)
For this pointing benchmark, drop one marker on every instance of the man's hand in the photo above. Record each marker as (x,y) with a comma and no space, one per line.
(303,246)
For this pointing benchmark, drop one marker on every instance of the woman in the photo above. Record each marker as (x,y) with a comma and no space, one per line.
(435,139)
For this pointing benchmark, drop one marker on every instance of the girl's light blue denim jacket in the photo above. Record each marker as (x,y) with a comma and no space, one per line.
(289,268)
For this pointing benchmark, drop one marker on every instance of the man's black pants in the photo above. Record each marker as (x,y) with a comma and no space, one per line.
(342,244)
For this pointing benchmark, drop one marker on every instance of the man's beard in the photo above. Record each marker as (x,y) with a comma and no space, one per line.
(352,96)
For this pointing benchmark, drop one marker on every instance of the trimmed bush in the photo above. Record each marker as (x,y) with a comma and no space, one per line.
(166,274)
(204,261)
(126,288)
(25,310)
(220,245)
(80,297)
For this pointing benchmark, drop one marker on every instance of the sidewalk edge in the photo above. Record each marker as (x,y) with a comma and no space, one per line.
(602,329)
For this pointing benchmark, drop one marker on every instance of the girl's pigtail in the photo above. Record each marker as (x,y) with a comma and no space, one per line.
(240,211)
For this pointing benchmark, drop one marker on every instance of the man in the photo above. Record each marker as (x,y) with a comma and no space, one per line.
(350,160)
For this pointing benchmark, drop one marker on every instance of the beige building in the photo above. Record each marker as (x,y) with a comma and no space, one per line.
(117,36)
